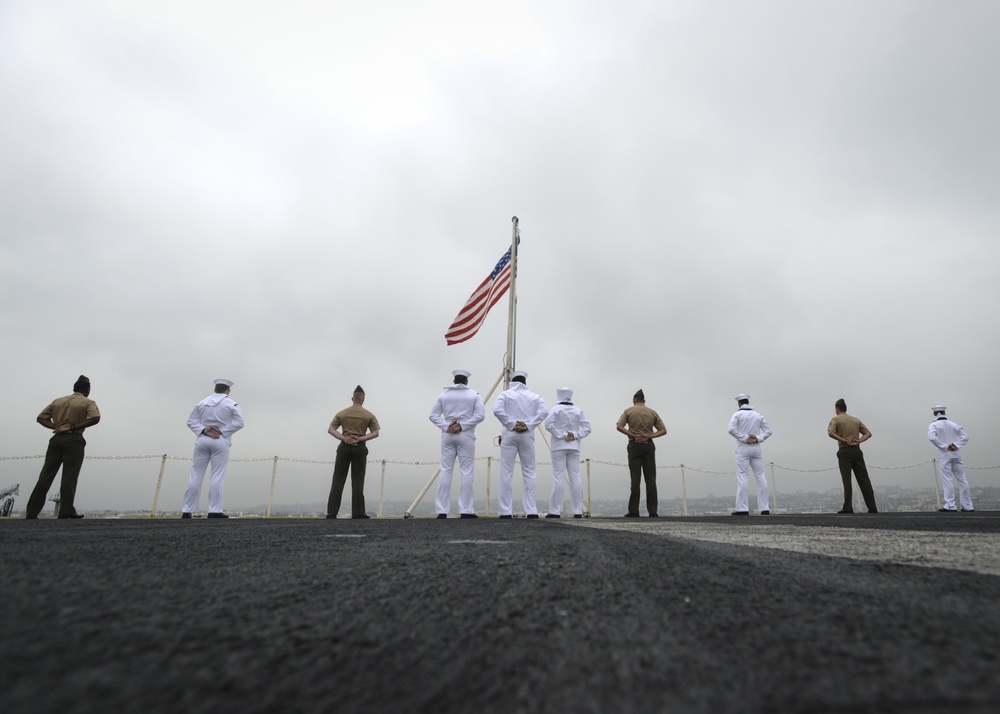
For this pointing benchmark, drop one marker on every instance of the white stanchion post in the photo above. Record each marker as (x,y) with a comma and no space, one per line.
(774,490)
(159,482)
(684,490)
(274,476)
(381,491)
(588,488)
(937,489)
(489,469)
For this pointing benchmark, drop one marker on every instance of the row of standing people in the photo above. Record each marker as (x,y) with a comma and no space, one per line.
(750,430)
(457,412)
(459,409)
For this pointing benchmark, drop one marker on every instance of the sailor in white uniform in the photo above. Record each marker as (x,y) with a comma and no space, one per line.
(456,412)
(949,438)
(520,411)
(213,421)
(750,430)
(567,425)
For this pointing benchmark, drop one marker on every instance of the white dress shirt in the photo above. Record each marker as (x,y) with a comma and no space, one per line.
(944,431)
(217,410)
(520,404)
(746,422)
(566,419)
(458,403)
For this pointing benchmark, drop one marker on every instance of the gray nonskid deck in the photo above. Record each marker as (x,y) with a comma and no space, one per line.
(800,613)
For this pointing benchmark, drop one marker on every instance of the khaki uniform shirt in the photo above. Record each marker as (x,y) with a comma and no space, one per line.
(355,420)
(74,409)
(847,427)
(641,420)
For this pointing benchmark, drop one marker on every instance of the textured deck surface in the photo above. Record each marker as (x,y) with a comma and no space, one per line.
(887,613)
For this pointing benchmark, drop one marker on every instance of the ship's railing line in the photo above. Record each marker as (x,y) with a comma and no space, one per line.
(683,468)
(493,458)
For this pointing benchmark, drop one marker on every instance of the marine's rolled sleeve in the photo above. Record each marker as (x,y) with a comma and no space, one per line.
(46,413)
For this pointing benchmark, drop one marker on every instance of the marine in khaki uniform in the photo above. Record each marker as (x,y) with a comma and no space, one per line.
(67,417)
(352,427)
(641,425)
(850,432)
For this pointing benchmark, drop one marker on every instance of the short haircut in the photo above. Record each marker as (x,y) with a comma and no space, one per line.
(461,379)
(221,388)
(520,379)
(841,405)
(743,401)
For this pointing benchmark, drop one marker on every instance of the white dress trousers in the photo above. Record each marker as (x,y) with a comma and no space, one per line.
(566,461)
(513,446)
(748,456)
(518,404)
(207,451)
(951,470)
(463,447)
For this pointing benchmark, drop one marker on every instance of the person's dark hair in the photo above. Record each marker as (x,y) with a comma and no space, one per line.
(841,405)
(220,388)
(520,379)
(459,379)
(938,413)
(741,402)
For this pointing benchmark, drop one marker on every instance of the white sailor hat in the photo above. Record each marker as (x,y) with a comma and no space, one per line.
(461,373)
(938,408)
(224,381)
(519,374)
(741,397)
(564,394)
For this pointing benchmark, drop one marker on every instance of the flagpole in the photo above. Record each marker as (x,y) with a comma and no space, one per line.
(508,365)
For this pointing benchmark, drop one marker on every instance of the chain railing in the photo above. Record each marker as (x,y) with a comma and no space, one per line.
(683,468)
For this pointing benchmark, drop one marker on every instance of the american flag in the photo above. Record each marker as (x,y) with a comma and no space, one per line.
(470,318)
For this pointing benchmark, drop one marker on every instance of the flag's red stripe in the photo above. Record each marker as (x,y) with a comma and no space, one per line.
(473,313)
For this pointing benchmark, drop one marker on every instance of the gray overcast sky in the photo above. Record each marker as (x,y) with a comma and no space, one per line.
(795,200)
